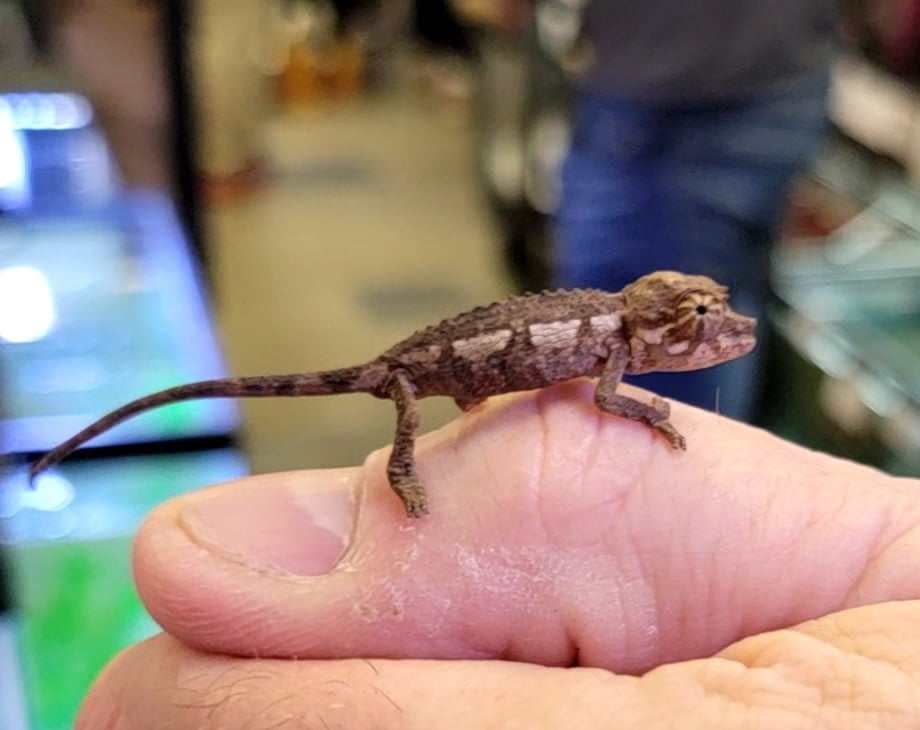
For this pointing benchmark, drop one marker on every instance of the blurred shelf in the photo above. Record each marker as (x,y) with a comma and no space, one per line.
(849,315)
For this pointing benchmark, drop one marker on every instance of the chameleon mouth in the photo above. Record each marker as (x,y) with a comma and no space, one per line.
(739,325)
(738,333)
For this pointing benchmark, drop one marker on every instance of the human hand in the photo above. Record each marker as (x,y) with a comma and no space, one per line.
(574,572)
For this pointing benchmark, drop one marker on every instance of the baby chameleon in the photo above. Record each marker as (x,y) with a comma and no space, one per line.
(665,321)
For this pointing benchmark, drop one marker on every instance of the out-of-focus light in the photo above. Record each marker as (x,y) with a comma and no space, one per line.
(44,112)
(72,111)
(27,311)
(14,179)
(52,493)
(35,111)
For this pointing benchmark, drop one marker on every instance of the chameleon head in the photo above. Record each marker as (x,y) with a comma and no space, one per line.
(682,322)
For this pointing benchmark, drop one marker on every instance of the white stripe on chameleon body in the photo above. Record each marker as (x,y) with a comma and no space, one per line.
(555,334)
(475,347)
(603,324)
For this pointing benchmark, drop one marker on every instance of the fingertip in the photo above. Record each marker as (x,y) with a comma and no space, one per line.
(213,565)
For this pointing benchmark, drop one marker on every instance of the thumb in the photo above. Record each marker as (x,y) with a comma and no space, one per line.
(557,535)
(855,669)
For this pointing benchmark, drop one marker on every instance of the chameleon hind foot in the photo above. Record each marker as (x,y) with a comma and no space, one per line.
(412,495)
(401,466)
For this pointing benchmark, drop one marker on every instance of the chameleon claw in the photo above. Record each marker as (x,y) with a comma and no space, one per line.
(674,437)
(412,495)
(416,506)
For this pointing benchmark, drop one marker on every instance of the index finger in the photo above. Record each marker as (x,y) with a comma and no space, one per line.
(557,535)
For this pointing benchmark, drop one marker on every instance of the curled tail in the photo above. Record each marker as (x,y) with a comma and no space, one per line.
(362,379)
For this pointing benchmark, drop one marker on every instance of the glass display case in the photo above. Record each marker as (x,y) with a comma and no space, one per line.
(849,315)
(95,311)
(68,544)
(103,298)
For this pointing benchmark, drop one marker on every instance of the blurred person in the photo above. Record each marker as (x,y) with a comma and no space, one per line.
(437,27)
(690,122)
(446,46)
(113,51)
(230,40)
(19,36)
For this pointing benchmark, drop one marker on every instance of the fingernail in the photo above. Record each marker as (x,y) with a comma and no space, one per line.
(299,525)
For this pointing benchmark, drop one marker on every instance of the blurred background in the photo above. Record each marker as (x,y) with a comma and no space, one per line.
(194,189)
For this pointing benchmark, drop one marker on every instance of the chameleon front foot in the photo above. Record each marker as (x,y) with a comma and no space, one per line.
(671,434)
(654,415)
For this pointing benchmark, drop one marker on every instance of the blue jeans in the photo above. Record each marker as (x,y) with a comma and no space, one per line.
(695,188)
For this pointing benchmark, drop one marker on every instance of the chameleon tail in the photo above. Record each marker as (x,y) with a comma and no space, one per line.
(346,380)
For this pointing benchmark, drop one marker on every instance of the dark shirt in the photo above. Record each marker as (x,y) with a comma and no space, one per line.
(691,50)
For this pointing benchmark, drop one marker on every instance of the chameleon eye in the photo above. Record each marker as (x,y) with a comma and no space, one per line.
(701,309)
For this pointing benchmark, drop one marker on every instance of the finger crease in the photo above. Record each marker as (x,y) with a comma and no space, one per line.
(881,546)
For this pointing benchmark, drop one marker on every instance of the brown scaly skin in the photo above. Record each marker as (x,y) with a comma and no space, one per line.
(665,321)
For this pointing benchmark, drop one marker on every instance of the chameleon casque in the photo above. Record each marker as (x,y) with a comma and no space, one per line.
(664,321)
